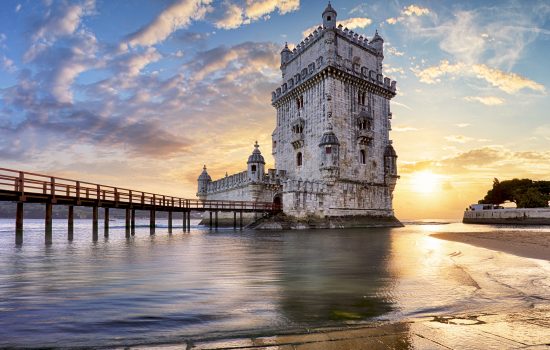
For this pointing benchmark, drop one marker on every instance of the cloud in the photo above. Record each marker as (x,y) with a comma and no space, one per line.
(60,21)
(486,100)
(404,128)
(409,11)
(458,138)
(463,125)
(7,64)
(258,8)
(508,82)
(350,23)
(393,51)
(176,16)
(235,15)
(18,8)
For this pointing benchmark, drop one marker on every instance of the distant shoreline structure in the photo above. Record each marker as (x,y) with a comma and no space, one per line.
(507,216)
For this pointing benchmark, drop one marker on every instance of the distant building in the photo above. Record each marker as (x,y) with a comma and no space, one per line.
(333,155)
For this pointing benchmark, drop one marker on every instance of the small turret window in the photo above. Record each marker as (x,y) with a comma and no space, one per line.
(364,124)
(328,149)
(300,102)
(361,98)
(363,156)
(299,159)
(253,168)
(329,18)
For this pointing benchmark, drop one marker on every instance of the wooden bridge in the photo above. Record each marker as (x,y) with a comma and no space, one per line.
(24,187)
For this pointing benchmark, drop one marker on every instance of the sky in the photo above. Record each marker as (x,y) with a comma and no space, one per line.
(140,94)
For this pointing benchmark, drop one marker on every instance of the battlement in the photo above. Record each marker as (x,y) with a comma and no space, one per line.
(342,65)
(242,179)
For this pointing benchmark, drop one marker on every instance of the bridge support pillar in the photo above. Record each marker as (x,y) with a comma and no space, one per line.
(106,225)
(48,223)
(95,218)
(127,223)
(216,218)
(170,221)
(152,222)
(19,223)
(184,221)
(133,223)
(189,221)
(241,220)
(210,223)
(234,220)
(70,222)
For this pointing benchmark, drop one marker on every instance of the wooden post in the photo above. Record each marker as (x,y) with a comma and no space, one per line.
(189,220)
(94,223)
(48,223)
(170,221)
(234,220)
(70,223)
(210,223)
(216,220)
(106,225)
(184,220)
(152,222)
(19,223)
(133,223)
(128,214)
(241,219)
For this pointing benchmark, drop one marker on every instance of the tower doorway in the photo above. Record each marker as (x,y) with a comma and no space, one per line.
(278,201)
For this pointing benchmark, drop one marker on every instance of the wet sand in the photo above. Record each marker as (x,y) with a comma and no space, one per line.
(535,245)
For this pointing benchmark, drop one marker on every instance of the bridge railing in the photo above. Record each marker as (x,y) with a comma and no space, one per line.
(25,183)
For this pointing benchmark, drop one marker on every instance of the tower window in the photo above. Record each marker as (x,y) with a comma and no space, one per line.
(363,156)
(364,124)
(253,168)
(300,102)
(361,98)
(274,144)
(299,159)
(328,149)
(329,18)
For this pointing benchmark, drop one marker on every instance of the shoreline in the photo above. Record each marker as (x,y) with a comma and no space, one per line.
(533,245)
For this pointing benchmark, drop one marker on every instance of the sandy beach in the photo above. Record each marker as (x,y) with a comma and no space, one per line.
(535,245)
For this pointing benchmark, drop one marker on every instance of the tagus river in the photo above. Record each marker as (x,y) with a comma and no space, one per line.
(210,285)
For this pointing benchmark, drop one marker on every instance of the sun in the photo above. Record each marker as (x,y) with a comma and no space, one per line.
(425,182)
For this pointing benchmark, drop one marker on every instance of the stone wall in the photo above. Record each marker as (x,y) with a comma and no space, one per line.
(515,216)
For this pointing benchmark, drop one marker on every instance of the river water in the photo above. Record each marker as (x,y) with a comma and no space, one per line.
(208,285)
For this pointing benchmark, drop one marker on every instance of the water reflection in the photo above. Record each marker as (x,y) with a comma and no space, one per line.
(133,290)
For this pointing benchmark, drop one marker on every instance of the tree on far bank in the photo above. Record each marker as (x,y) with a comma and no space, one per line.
(526,193)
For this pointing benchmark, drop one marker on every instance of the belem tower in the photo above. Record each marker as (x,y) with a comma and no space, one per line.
(334,160)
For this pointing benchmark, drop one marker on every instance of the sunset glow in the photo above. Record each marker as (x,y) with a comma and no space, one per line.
(425,182)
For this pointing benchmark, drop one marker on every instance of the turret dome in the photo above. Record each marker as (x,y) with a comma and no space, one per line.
(329,138)
(390,151)
(256,156)
(204,175)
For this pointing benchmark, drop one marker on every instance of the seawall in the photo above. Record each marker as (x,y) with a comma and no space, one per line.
(514,216)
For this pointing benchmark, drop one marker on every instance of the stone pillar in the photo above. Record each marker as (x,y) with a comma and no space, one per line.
(70,222)
(19,223)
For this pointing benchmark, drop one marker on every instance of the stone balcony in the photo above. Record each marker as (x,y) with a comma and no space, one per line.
(365,136)
(297,140)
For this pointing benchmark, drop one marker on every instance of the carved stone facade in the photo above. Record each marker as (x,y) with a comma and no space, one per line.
(331,145)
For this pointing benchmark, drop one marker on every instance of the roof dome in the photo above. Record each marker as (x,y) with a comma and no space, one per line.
(329,138)
(329,9)
(376,37)
(390,151)
(204,175)
(256,156)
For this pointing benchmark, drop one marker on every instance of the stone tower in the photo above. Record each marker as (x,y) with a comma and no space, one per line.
(203,181)
(333,121)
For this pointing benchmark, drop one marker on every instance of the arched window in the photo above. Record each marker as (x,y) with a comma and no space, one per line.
(328,149)
(253,168)
(363,156)
(299,159)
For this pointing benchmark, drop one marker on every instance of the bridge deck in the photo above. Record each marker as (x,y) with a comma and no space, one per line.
(25,187)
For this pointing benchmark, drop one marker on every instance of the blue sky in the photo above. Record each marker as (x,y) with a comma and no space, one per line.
(142,93)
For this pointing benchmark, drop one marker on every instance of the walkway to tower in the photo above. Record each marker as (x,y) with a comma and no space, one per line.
(24,187)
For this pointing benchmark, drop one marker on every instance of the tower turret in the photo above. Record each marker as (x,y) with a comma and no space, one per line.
(256,164)
(329,17)
(377,42)
(330,152)
(203,182)
(285,55)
